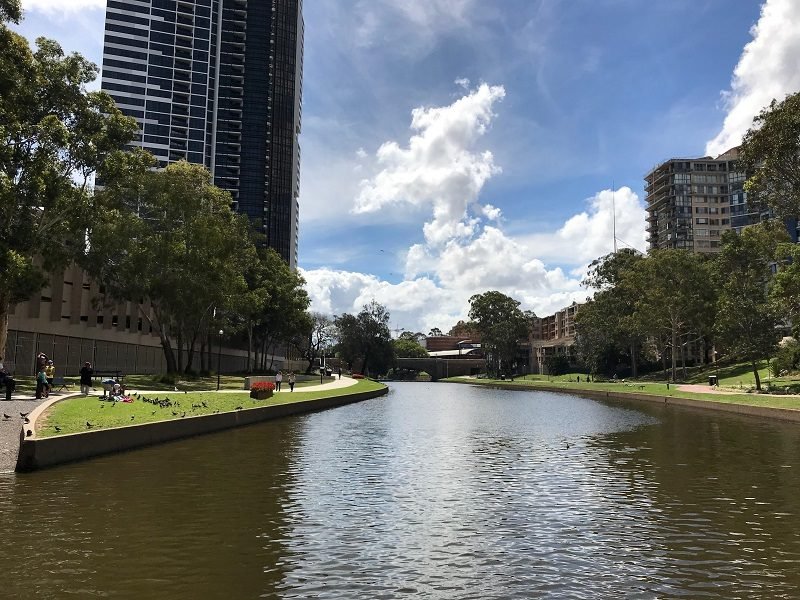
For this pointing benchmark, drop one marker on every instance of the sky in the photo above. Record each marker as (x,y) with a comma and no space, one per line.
(451,147)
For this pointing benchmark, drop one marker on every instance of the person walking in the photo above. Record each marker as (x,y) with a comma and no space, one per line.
(291,381)
(86,377)
(340,372)
(278,380)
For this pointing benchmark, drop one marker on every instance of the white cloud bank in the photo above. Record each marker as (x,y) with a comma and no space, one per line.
(767,70)
(442,171)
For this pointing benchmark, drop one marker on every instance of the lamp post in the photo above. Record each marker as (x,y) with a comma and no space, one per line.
(219,356)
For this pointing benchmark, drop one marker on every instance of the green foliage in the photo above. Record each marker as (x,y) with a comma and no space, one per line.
(408,348)
(787,359)
(365,338)
(770,155)
(746,321)
(557,364)
(170,238)
(785,286)
(501,324)
(54,135)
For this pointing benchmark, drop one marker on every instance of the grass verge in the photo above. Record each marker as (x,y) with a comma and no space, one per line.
(73,414)
(655,389)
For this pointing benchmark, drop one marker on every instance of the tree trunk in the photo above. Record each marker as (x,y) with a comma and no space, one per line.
(5,308)
(169,354)
(672,352)
(249,345)
(755,372)
(683,359)
(190,354)
(203,361)
(634,370)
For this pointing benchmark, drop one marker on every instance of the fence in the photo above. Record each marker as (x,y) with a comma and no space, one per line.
(69,354)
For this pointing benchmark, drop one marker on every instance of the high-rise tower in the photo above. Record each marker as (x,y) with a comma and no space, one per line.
(217,82)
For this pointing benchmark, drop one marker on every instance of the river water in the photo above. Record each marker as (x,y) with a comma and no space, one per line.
(434,491)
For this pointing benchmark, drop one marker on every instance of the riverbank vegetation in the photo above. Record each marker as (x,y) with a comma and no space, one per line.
(79,414)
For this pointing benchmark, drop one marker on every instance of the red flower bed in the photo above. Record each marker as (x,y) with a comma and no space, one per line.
(358,376)
(262,386)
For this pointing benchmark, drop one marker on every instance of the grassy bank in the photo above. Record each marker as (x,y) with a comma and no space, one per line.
(73,414)
(638,387)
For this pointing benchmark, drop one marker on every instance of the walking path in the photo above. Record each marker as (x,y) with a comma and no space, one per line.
(708,389)
(25,403)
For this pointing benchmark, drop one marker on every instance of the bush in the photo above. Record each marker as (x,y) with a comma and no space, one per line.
(262,386)
(357,376)
(787,359)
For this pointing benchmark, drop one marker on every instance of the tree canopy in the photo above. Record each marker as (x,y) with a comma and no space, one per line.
(770,156)
(365,339)
(501,324)
(54,136)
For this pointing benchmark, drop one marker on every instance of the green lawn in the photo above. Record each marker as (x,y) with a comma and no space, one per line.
(639,387)
(27,384)
(72,414)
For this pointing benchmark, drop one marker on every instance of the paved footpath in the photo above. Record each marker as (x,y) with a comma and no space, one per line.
(25,403)
(10,428)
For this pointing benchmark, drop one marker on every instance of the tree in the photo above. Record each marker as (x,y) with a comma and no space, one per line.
(501,324)
(746,321)
(606,328)
(316,339)
(435,332)
(54,135)
(408,348)
(464,329)
(770,155)
(417,336)
(674,298)
(366,338)
(785,289)
(170,239)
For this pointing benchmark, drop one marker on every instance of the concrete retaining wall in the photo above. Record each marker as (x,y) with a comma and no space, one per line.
(784,414)
(37,454)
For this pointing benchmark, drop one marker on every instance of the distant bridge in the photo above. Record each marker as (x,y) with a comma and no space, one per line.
(439,368)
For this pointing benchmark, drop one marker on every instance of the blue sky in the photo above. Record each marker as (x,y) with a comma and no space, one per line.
(450,147)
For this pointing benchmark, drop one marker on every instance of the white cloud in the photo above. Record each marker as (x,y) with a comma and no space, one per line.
(589,234)
(462,82)
(62,6)
(767,70)
(492,212)
(439,167)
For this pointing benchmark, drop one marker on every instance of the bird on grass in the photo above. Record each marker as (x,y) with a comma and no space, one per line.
(174,414)
(176,388)
(133,417)
(57,428)
(183,415)
(239,408)
(89,425)
(154,412)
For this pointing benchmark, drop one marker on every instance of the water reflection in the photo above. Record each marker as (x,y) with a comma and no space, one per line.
(438,491)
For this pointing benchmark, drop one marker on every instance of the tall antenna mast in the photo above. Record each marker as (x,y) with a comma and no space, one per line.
(614,216)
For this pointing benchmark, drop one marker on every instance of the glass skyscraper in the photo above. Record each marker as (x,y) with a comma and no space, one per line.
(219,83)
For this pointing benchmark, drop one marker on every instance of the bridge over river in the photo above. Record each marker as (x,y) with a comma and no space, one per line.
(439,368)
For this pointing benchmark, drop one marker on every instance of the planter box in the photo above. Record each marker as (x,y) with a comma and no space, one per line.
(260,394)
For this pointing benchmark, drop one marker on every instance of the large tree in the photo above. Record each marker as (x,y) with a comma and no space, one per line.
(54,135)
(315,340)
(674,298)
(770,155)
(501,324)
(169,239)
(746,322)
(366,338)
(408,348)
(785,288)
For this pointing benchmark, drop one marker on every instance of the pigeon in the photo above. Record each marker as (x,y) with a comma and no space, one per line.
(57,428)
(176,388)
(23,415)
(89,425)
(133,417)
(174,414)
(26,420)
(154,412)
(6,417)
(28,433)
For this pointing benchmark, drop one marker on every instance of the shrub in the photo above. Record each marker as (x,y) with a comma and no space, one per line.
(262,386)
(358,376)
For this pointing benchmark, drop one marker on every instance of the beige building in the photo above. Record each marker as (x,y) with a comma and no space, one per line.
(68,324)
(692,201)
(552,335)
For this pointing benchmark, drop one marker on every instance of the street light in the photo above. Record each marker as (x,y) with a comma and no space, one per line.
(219,356)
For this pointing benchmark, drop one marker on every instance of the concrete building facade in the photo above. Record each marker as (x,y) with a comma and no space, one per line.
(552,335)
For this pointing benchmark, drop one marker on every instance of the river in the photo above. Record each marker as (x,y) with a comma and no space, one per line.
(434,491)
